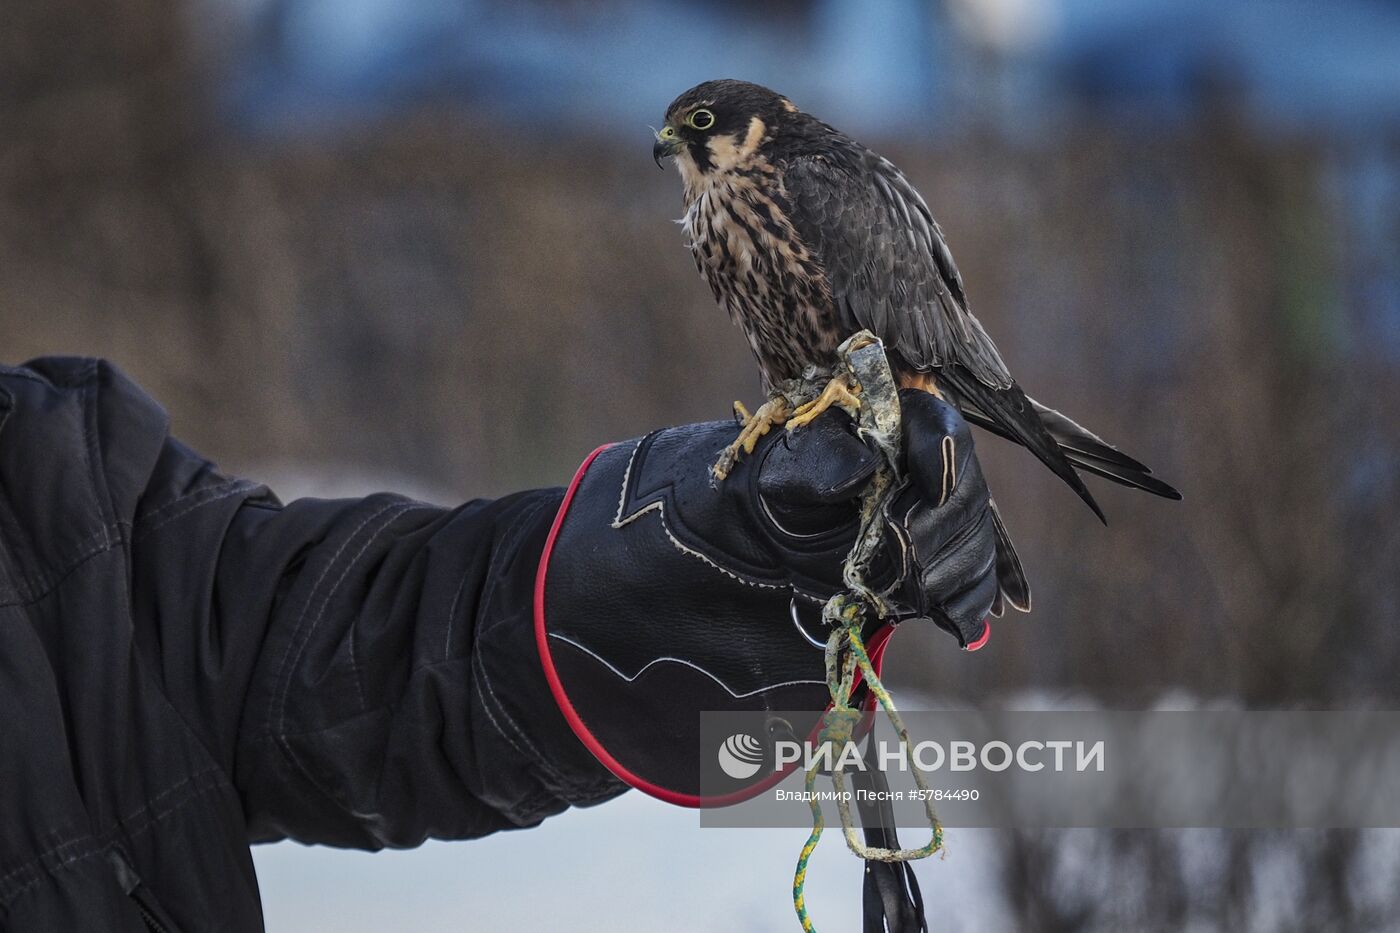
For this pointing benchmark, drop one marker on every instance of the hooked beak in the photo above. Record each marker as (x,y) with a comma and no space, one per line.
(668,143)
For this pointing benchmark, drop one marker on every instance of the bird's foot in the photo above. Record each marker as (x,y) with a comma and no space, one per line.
(842,391)
(770,415)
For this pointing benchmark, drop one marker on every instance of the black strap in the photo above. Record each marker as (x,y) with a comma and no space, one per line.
(893,903)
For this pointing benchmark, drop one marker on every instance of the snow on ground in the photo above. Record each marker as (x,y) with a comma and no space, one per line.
(632,864)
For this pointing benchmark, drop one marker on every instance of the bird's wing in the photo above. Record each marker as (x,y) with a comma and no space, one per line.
(887,263)
(890,271)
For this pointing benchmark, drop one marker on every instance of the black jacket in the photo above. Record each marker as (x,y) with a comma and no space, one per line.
(187,666)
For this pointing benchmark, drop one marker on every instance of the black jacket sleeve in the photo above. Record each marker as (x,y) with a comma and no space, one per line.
(366,669)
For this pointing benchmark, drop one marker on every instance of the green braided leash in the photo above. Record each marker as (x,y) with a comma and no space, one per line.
(864,363)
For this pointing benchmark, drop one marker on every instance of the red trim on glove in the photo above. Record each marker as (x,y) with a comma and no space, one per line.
(981,639)
(575,721)
(875,648)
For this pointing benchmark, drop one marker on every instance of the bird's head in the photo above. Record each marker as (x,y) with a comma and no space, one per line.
(719,125)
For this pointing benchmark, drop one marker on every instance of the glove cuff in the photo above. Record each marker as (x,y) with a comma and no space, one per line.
(551,672)
(639,632)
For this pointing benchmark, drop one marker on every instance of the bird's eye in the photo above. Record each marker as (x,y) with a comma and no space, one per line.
(701,120)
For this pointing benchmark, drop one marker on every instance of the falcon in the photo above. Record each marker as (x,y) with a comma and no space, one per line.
(806,237)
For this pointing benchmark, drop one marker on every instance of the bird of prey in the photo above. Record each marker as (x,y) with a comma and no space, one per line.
(807,237)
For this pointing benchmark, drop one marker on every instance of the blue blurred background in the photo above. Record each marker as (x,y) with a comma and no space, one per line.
(420,245)
(916,69)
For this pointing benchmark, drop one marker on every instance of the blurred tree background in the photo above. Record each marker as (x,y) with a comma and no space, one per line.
(422,245)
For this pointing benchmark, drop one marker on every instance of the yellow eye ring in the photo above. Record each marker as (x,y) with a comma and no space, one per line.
(701,119)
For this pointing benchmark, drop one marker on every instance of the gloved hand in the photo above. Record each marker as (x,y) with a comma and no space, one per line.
(660,595)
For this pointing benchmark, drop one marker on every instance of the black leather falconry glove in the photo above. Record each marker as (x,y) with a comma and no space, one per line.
(660,595)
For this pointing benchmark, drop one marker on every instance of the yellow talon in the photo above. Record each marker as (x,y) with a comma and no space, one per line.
(840,391)
(770,414)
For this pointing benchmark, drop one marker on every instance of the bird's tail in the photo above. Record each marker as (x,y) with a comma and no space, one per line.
(1060,443)
(1085,449)
(1009,413)
(1093,454)
(1012,586)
